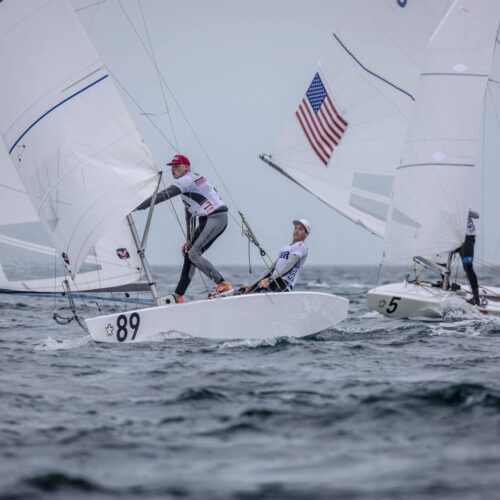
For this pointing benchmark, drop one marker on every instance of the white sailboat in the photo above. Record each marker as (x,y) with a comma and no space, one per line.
(345,140)
(432,190)
(84,167)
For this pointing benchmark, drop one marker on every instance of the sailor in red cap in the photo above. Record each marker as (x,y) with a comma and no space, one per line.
(204,204)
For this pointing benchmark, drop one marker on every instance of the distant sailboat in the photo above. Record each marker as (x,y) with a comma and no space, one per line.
(432,190)
(84,168)
(391,145)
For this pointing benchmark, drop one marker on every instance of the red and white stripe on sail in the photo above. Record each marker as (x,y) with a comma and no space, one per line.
(321,122)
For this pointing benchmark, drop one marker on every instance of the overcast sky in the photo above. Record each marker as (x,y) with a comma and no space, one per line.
(238,69)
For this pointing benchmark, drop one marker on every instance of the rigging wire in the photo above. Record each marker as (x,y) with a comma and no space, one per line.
(90,5)
(158,75)
(163,84)
(152,57)
(179,107)
(142,110)
(488,89)
(89,29)
(483,175)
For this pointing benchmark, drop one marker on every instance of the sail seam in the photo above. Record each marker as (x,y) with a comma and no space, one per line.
(435,164)
(74,84)
(371,72)
(454,74)
(53,108)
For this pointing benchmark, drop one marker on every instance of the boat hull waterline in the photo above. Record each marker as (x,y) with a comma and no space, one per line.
(255,316)
(407,300)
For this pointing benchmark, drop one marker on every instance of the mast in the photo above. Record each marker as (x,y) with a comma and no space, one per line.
(446,278)
(144,261)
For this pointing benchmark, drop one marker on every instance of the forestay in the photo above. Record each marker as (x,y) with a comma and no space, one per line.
(432,186)
(78,154)
(345,140)
(28,261)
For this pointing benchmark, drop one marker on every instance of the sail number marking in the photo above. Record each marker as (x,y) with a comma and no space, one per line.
(393,305)
(122,323)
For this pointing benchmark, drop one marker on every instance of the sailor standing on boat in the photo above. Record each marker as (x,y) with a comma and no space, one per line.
(203,202)
(467,254)
(285,271)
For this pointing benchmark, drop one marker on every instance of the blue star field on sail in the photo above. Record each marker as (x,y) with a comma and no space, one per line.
(320,120)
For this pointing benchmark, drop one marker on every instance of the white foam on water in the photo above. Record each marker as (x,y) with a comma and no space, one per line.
(172,334)
(465,323)
(369,315)
(55,344)
(255,343)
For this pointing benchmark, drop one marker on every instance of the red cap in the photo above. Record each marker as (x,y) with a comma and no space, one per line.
(180,160)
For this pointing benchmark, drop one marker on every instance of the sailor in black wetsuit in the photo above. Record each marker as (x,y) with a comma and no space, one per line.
(467,254)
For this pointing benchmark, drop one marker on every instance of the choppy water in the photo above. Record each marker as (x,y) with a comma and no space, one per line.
(375,408)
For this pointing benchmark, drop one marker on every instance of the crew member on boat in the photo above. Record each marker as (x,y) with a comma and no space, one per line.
(202,202)
(283,274)
(467,254)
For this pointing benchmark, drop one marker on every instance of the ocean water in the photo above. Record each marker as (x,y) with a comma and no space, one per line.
(373,408)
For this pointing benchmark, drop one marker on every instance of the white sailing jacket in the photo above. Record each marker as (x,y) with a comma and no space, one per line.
(199,196)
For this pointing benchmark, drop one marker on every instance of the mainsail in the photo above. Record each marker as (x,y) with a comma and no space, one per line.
(76,150)
(344,142)
(28,261)
(432,186)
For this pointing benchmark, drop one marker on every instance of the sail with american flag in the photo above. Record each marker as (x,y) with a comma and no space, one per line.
(354,116)
(322,124)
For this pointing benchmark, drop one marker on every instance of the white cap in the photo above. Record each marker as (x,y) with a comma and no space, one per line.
(305,223)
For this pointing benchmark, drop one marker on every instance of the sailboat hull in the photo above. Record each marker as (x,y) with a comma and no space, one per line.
(408,300)
(255,316)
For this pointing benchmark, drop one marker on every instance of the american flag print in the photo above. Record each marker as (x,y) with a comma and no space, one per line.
(122,253)
(200,181)
(207,206)
(319,119)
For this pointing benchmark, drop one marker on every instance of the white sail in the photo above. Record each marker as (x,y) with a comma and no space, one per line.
(77,152)
(28,261)
(432,187)
(346,147)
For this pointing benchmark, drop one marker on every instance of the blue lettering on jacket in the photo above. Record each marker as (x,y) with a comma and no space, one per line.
(284,255)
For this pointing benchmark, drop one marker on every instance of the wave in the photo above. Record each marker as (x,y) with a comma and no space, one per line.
(465,395)
(202,394)
(231,429)
(451,395)
(52,482)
